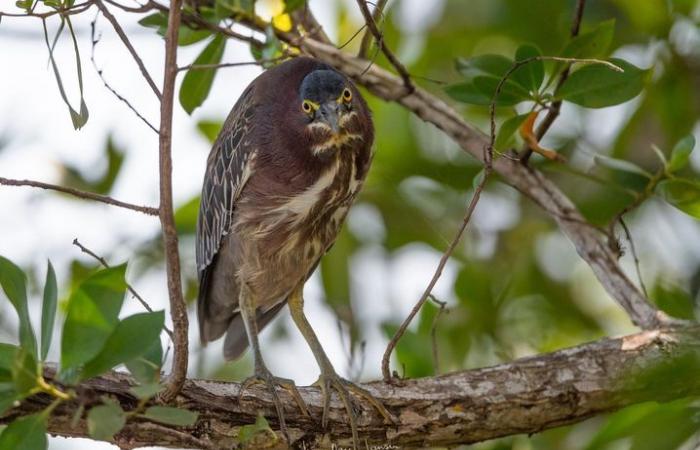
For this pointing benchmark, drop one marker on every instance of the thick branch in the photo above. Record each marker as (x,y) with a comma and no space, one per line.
(526,396)
(80,194)
(178,307)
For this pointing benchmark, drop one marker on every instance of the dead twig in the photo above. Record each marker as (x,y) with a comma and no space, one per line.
(80,194)
(127,43)
(372,27)
(367,37)
(178,307)
(94,40)
(633,249)
(130,288)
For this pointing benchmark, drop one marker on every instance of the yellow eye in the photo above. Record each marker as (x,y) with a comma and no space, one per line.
(347,95)
(306,106)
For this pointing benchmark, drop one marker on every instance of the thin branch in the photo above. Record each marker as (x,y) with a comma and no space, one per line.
(372,26)
(525,396)
(63,11)
(433,334)
(80,194)
(304,17)
(95,39)
(127,43)
(235,64)
(633,249)
(367,37)
(130,288)
(178,307)
(555,108)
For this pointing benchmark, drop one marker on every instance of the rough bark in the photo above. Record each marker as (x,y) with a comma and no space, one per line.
(525,396)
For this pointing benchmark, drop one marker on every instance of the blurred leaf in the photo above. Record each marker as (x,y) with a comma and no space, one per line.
(13,283)
(25,372)
(226,8)
(92,315)
(620,164)
(186,216)
(510,93)
(73,177)
(293,5)
(493,65)
(683,194)
(209,129)
(467,93)
(673,300)
(414,352)
(531,75)
(249,435)
(104,421)
(146,368)
(25,433)
(598,86)
(188,36)
(271,50)
(8,353)
(171,416)
(681,153)
(147,390)
(131,338)
(155,20)
(48,310)
(335,276)
(197,82)
(593,44)
(507,130)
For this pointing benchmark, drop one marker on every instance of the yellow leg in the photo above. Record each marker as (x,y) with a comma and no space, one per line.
(262,374)
(329,379)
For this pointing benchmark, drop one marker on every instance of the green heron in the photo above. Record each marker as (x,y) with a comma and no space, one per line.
(289,161)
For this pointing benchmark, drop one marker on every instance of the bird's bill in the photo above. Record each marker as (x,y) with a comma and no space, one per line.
(329,113)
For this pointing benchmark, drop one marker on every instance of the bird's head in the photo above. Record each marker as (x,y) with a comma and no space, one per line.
(327,104)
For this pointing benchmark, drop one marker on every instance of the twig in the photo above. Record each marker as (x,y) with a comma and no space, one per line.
(120,32)
(633,249)
(178,307)
(372,26)
(367,38)
(555,108)
(433,334)
(63,11)
(94,41)
(235,64)
(304,17)
(80,194)
(133,292)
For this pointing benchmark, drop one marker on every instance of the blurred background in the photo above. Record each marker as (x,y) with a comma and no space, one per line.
(514,286)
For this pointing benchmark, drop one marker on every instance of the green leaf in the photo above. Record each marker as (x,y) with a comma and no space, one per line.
(155,20)
(146,368)
(25,372)
(131,338)
(621,165)
(171,416)
(531,75)
(105,421)
(188,36)
(293,5)
(467,93)
(510,93)
(681,153)
(186,216)
(92,315)
(494,65)
(683,194)
(48,310)
(8,399)
(594,44)
(197,83)
(507,130)
(598,86)
(13,282)
(25,433)
(478,179)
(248,434)
(8,353)
(209,129)
(147,390)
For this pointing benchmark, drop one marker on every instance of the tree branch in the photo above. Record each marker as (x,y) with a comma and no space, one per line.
(80,194)
(526,396)
(127,43)
(178,307)
(367,37)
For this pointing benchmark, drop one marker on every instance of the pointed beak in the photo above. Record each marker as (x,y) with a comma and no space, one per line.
(329,113)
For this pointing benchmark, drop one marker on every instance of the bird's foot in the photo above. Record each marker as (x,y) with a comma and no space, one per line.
(263,376)
(330,381)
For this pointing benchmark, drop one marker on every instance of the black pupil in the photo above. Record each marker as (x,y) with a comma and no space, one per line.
(346,93)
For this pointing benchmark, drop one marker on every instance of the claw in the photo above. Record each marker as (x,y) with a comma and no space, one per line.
(263,376)
(331,381)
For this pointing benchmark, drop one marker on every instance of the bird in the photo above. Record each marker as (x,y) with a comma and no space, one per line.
(289,161)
